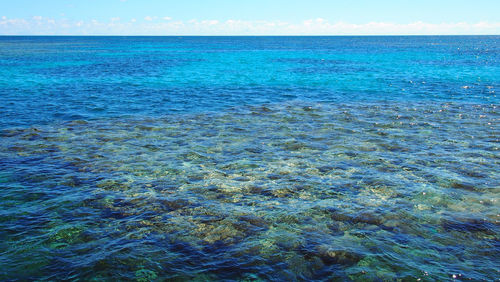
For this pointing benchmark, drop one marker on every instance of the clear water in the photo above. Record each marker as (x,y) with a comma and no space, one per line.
(249,158)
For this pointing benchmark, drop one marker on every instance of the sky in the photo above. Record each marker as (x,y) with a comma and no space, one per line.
(249,17)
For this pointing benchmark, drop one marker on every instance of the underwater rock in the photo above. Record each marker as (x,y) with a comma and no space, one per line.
(17,149)
(325,168)
(226,232)
(245,228)
(32,136)
(11,132)
(112,213)
(68,235)
(192,156)
(71,181)
(294,145)
(362,217)
(351,154)
(367,218)
(145,275)
(289,219)
(196,177)
(242,179)
(152,148)
(212,188)
(335,229)
(255,189)
(254,150)
(331,255)
(264,109)
(469,225)
(273,176)
(112,185)
(209,219)
(255,220)
(337,215)
(239,166)
(174,204)
(282,192)
(463,186)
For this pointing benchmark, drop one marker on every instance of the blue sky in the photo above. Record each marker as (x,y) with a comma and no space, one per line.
(229,17)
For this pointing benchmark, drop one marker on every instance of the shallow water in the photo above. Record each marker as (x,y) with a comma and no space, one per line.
(279,191)
(141,167)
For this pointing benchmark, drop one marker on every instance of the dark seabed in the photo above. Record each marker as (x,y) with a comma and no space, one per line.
(249,158)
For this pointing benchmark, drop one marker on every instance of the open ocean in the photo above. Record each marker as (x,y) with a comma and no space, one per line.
(250,158)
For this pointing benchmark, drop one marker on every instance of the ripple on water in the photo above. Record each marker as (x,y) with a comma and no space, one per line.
(284,191)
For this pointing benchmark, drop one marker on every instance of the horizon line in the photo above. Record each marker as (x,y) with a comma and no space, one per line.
(233,35)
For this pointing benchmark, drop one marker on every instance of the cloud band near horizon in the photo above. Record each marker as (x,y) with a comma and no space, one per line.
(152,25)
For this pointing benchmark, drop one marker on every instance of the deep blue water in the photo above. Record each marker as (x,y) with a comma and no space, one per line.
(250,158)
(46,79)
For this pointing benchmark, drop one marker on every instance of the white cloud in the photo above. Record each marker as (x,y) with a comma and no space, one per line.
(318,26)
(210,22)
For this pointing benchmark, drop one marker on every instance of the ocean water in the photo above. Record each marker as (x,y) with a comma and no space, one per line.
(250,158)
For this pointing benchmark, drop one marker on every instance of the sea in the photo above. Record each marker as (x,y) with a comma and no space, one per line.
(348,158)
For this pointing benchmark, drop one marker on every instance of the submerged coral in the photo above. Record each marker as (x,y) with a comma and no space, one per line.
(288,191)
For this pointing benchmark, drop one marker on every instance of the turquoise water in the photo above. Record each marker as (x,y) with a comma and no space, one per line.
(249,158)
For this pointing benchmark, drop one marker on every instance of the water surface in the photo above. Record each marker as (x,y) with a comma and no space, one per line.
(249,158)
